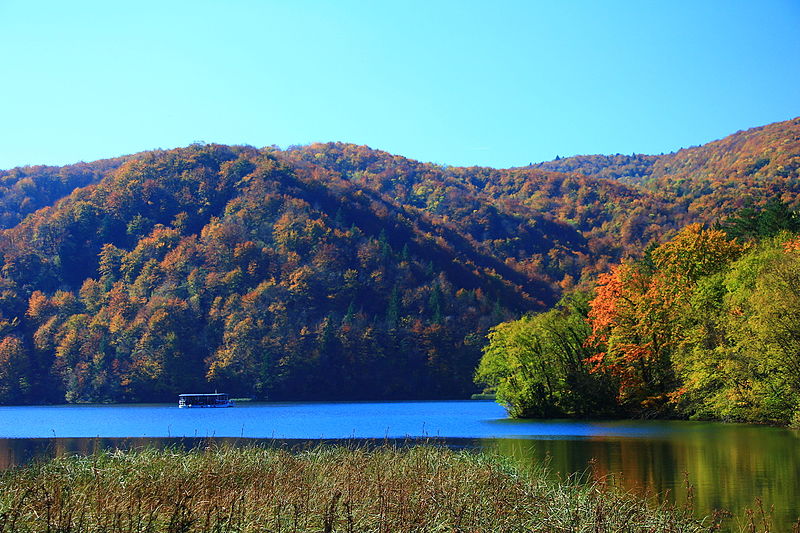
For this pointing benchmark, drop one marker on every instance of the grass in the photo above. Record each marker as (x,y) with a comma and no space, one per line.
(326,489)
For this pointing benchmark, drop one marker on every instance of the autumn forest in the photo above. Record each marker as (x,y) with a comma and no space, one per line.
(620,285)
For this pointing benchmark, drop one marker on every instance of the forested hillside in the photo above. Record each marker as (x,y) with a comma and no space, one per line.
(329,271)
(497,208)
(223,267)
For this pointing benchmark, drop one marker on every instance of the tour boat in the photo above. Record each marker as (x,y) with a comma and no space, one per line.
(218,399)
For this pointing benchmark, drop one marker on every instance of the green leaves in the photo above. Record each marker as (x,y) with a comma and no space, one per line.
(537,365)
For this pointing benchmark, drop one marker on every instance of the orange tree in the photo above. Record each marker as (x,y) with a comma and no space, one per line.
(639,312)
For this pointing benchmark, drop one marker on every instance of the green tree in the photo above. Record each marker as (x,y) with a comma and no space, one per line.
(537,365)
(738,356)
(751,223)
(14,385)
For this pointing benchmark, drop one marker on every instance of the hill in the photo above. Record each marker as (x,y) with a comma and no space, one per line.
(328,271)
(225,267)
(610,218)
(747,167)
(713,180)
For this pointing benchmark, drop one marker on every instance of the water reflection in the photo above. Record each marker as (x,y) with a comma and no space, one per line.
(728,467)
(20,452)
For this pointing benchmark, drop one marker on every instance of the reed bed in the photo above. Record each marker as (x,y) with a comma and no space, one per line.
(326,489)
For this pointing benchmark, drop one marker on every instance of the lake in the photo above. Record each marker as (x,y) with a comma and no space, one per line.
(728,465)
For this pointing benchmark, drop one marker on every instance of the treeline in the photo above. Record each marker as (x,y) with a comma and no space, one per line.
(705,325)
(617,204)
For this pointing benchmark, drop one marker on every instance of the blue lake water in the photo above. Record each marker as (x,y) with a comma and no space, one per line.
(457,419)
(727,465)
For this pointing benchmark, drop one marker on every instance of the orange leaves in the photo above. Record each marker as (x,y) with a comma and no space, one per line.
(299,280)
(631,316)
(605,307)
(39,306)
(637,311)
(792,245)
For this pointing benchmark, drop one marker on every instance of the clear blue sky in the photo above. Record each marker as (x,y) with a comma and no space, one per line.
(454,82)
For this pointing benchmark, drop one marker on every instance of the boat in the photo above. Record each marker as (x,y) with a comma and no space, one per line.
(217,399)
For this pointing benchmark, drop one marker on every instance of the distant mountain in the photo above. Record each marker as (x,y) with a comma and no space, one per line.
(717,178)
(712,180)
(329,271)
(628,168)
(582,223)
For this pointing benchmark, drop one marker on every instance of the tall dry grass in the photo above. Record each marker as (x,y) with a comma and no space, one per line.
(326,489)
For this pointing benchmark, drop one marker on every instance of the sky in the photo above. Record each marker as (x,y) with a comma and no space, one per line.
(500,84)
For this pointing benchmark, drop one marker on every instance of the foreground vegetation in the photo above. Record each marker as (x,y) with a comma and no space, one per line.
(326,489)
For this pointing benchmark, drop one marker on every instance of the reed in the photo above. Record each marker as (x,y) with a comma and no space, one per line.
(326,489)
